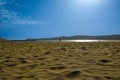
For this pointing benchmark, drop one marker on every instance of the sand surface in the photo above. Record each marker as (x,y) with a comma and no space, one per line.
(59,61)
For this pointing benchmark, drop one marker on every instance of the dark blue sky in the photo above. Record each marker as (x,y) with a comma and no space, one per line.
(21,19)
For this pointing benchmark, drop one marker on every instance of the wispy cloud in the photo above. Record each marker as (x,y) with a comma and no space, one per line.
(7,16)
(27,22)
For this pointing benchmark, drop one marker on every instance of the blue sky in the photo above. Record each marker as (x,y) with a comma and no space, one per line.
(21,19)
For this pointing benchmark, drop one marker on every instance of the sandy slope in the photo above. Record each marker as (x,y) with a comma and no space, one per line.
(59,61)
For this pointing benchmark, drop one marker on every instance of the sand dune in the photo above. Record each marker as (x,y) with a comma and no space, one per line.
(59,61)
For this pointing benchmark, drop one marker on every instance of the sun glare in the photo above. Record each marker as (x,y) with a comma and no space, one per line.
(87,2)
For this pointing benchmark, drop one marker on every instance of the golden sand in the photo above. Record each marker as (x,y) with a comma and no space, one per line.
(59,61)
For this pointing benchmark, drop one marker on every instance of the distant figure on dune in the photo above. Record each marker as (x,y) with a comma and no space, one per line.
(60,39)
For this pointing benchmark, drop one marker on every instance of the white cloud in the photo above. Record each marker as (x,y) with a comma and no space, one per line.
(7,16)
(27,22)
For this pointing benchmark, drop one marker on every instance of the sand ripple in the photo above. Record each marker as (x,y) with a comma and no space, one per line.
(59,61)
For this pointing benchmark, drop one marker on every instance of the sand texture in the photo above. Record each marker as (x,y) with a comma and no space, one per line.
(59,61)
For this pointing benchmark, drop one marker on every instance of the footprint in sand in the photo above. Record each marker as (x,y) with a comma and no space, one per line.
(105,61)
(73,74)
(57,67)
